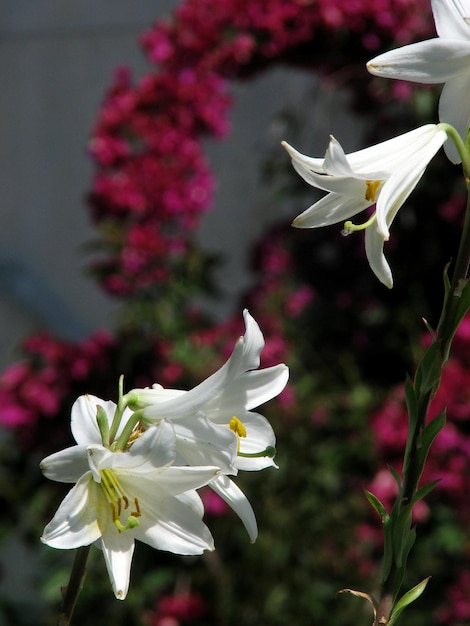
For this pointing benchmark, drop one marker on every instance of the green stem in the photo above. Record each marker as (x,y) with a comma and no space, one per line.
(391,586)
(71,593)
(446,325)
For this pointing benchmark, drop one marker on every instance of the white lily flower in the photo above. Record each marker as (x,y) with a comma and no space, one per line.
(214,422)
(383,175)
(123,496)
(443,59)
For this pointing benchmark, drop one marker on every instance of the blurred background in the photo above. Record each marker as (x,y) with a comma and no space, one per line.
(146,201)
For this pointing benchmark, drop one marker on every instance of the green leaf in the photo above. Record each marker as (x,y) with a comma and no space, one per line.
(423,492)
(428,435)
(409,597)
(411,401)
(429,370)
(395,475)
(378,506)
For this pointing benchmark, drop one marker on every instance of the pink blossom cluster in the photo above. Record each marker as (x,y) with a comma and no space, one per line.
(152,180)
(230,34)
(178,609)
(35,388)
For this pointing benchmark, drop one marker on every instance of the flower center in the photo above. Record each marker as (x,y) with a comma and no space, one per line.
(238,428)
(371,189)
(119,503)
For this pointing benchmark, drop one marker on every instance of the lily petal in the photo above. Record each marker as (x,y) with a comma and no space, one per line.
(331,209)
(75,522)
(450,22)
(451,110)
(168,524)
(200,442)
(432,61)
(118,550)
(249,390)
(402,182)
(259,436)
(374,243)
(236,499)
(67,465)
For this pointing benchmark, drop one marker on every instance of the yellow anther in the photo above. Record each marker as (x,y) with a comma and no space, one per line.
(118,501)
(237,426)
(371,189)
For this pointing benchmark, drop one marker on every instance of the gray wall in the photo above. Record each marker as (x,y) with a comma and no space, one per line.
(57,58)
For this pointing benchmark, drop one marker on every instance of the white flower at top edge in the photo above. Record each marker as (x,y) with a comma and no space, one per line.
(214,422)
(383,175)
(123,496)
(443,59)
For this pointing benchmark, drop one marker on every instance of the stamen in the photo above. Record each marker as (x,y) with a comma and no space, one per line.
(238,428)
(118,501)
(270,452)
(349,227)
(371,189)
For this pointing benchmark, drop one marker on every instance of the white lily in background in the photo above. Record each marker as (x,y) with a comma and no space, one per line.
(384,174)
(224,401)
(443,59)
(123,496)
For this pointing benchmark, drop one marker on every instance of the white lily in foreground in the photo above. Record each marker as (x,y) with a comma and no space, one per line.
(225,401)
(123,496)
(443,59)
(384,175)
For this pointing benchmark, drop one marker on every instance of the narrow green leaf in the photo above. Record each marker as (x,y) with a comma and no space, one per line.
(395,475)
(423,492)
(377,506)
(429,369)
(409,597)
(428,435)
(411,400)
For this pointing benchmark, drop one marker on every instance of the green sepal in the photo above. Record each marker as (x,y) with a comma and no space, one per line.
(409,597)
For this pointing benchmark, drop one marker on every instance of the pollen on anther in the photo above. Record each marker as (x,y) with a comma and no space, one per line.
(371,189)
(237,426)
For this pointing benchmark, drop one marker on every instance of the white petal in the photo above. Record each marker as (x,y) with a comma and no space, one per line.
(84,425)
(454,108)
(155,448)
(336,163)
(374,251)
(309,163)
(200,442)
(248,391)
(450,23)
(432,61)
(392,153)
(402,182)
(341,185)
(176,480)
(259,436)
(167,523)
(236,499)
(67,465)
(331,209)
(75,522)
(118,549)
(245,356)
